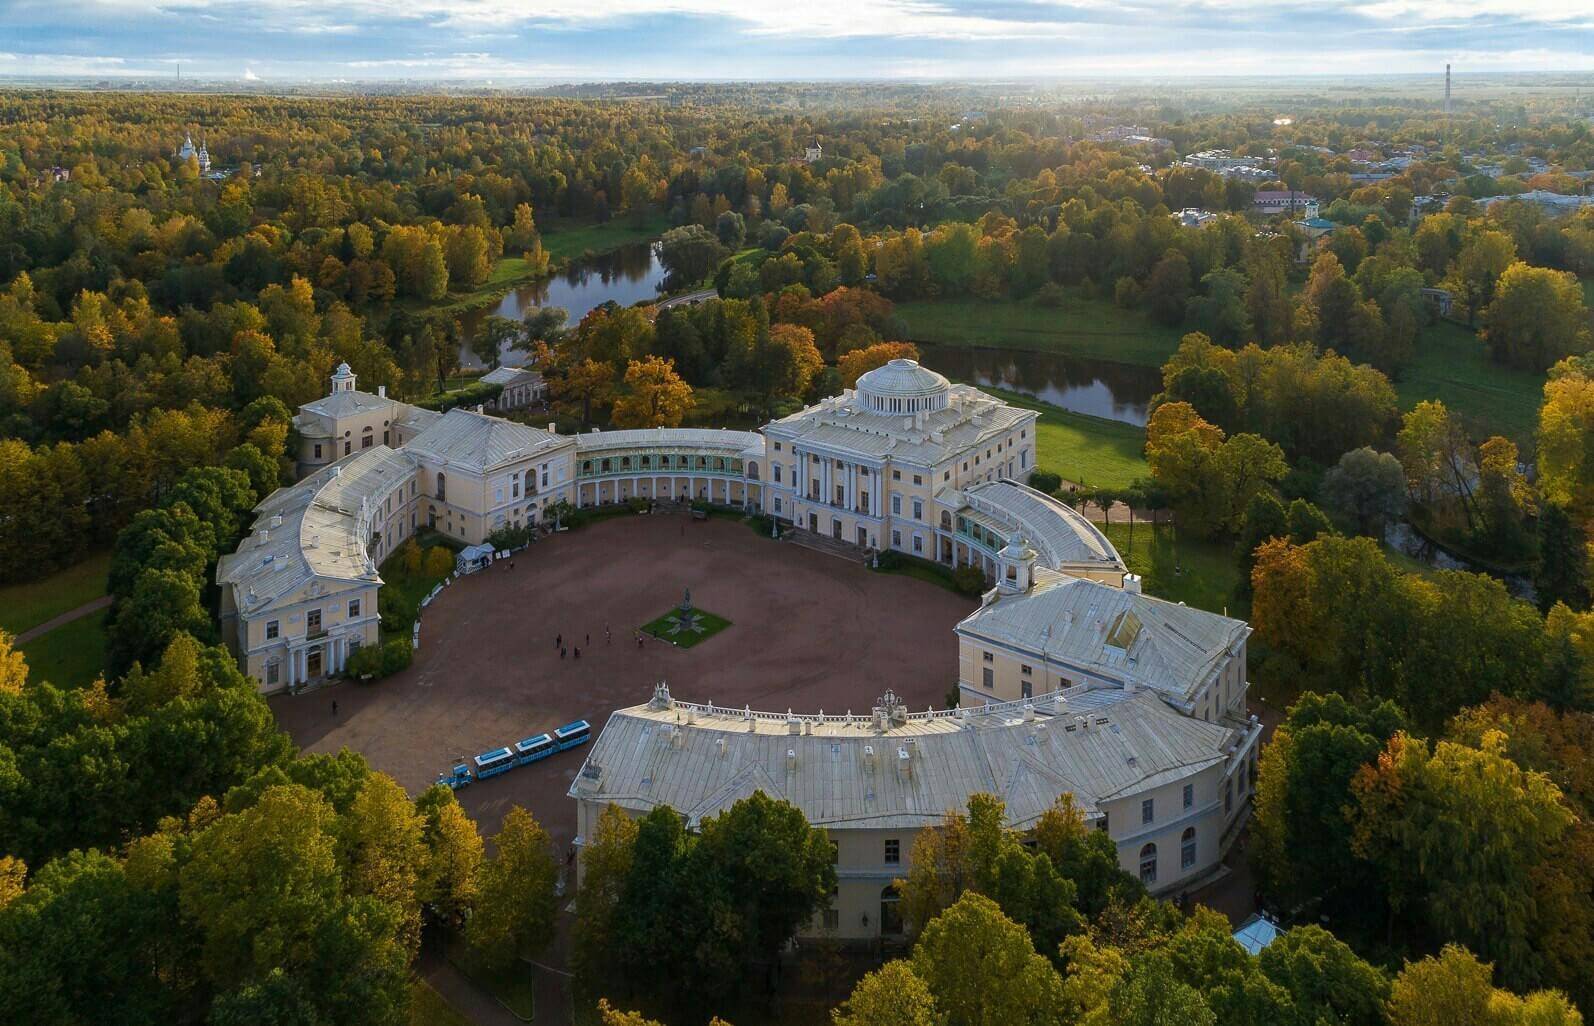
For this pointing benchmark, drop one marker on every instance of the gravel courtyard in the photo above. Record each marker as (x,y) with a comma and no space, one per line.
(809,631)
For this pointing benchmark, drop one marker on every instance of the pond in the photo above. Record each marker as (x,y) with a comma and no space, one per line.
(1099,388)
(626,275)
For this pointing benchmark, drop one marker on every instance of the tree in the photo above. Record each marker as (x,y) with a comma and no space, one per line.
(13,668)
(731,229)
(972,943)
(855,364)
(606,864)
(450,877)
(259,882)
(1453,988)
(1326,980)
(491,336)
(1566,421)
(892,995)
(1149,994)
(1536,318)
(588,383)
(1365,490)
(1460,833)
(516,903)
(654,395)
(1168,289)
(1473,277)
(690,253)
(1221,312)
(1562,571)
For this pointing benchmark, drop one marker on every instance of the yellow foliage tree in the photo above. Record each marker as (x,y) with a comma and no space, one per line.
(654,395)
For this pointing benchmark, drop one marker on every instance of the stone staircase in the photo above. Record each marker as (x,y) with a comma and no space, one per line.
(822,543)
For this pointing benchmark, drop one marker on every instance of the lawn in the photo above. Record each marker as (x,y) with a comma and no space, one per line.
(1092,328)
(567,241)
(70,656)
(27,605)
(402,589)
(513,986)
(1453,366)
(427,1008)
(702,626)
(1179,568)
(1086,450)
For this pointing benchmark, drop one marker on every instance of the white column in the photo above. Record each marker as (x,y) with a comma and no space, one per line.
(852,486)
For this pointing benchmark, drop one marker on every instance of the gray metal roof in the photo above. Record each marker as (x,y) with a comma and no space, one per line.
(1060,535)
(509,375)
(1117,634)
(317,528)
(847,424)
(718,440)
(347,404)
(904,771)
(476,441)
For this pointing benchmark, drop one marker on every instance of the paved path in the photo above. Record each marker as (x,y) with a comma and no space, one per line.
(690,297)
(86,609)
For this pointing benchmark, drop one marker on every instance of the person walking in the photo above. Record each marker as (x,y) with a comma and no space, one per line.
(559,642)
(608,639)
(561,651)
(578,653)
(334,707)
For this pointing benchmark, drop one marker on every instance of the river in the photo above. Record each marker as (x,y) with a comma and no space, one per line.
(626,275)
(1099,388)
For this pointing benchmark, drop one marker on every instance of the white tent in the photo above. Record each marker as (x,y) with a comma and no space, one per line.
(473,558)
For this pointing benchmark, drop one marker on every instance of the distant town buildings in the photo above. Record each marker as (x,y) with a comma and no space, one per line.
(1553,203)
(1194,217)
(1270,202)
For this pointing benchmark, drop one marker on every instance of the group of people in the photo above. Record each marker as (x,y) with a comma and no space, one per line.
(574,650)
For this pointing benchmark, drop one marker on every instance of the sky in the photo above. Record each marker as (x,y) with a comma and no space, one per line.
(505,41)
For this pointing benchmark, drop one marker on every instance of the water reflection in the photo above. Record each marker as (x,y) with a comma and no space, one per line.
(626,275)
(1100,388)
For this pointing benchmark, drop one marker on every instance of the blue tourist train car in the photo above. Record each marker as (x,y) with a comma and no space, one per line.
(534,748)
(490,764)
(456,778)
(572,734)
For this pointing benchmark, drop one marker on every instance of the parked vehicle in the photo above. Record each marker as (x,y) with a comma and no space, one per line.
(572,734)
(457,778)
(490,764)
(534,748)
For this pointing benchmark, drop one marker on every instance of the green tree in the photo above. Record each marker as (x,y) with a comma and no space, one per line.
(516,903)
(1477,270)
(1365,490)
(969,945)
(1168,288)
(1327,981)
(892,995)
(1536,318)
(1562,571)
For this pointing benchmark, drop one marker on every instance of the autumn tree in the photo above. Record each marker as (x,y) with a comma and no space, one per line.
(516,902)
(972,943)
(858,362)
(584,385)
(1537,317)
(653,395)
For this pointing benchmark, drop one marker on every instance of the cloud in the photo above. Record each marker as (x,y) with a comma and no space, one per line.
(250,76)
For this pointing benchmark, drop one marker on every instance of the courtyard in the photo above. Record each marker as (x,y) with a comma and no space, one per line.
(808,631)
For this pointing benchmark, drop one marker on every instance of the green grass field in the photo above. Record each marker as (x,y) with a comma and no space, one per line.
(427,1008)
(566,241)
(1453,366)
(1085,450)
(664,628)
(27,605)
(1179,568)
(1092,328)
(70,656)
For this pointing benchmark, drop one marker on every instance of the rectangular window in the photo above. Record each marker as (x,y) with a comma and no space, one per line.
(896,539)
(312,622)
(1025,670)
(988,656)
(273,627)
(346,448)
(835,853)
(988,678)
(893,852)
(896,505)
(777,473)
(273,670)
(1189,795)
(918,544)
(354,609)
(832,918)
(896,475)
(1026,689)
(1101,824)
(918,479)
(1148,810)
(318,452)
(918,509)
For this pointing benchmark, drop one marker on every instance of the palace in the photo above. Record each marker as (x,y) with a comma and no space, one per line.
(1070,679)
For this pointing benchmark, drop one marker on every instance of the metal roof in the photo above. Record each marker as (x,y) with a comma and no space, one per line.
(1113,633)
(896,770)
(846,424)
(476,441)
(317,528)
(1060,535)
(720,440)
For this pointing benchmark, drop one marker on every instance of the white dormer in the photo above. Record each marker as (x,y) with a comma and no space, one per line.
(1015,566)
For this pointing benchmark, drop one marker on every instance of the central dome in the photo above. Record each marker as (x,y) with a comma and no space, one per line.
(902,386)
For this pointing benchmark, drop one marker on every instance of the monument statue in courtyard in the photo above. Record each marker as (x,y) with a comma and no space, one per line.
(686,602)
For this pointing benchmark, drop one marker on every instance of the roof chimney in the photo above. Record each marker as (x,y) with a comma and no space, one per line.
(381,391)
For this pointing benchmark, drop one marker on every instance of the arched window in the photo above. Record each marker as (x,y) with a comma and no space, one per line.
(946,520)
(1187,849)
(1148,864)
(442,487)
